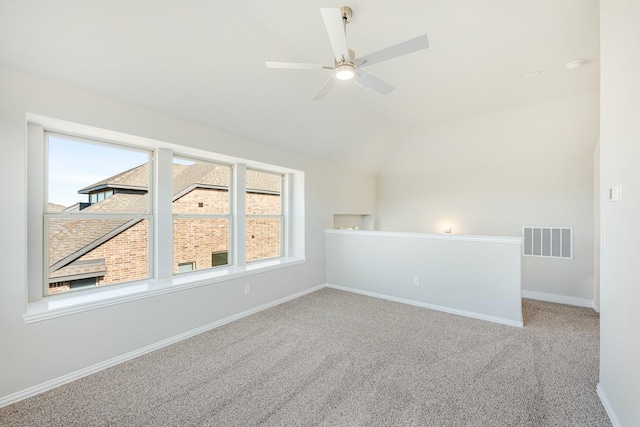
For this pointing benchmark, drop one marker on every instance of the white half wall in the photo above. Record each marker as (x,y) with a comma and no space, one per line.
(43,352)
(476,276)
(496,173)
(620,222)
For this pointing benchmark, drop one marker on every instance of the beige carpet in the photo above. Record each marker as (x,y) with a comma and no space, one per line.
(333,358)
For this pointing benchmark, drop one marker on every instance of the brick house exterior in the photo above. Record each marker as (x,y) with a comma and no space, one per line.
(195,239)
(96,252)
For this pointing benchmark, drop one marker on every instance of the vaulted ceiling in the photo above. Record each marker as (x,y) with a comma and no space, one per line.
(204,61)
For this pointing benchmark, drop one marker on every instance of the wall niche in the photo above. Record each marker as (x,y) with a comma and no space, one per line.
(353,221)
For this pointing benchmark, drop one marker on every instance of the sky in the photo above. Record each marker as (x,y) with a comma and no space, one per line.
(74,165)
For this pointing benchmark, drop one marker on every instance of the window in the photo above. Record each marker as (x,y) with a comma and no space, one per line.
(219,258)
(100,196)
(264,215)
(110,209)
(183,267)
(99,240)
(201,212)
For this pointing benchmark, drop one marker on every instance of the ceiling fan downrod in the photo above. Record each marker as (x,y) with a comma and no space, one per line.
(347,15)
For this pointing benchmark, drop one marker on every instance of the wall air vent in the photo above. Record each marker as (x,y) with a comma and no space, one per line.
(552,242)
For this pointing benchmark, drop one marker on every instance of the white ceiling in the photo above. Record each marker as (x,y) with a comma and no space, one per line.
(203,60)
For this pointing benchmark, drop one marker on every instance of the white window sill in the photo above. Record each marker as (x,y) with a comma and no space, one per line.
(76,302)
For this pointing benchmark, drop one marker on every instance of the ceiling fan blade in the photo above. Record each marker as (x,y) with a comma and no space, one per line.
(413,45)
(326,87)
(366,79)
(295,65)
(332,17)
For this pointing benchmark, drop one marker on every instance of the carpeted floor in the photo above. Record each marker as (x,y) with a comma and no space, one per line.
(334,358)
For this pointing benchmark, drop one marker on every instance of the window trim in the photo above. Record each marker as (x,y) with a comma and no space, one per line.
(104,296)
(39,307)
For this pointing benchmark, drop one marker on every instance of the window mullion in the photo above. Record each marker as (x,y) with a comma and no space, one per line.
(162,206)
(286,215)
(239,213)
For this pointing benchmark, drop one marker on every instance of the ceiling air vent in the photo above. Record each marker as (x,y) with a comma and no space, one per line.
(552,242)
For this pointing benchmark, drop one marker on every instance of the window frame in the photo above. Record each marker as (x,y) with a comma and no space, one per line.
(229,216)
(48,216)
(41,308)
(280,216)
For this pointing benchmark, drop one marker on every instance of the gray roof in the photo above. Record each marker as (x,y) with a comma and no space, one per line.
(121,202)
(134,178)
(54,207)
(263,182)
(71,238)
(198,175)
(185,176)
(79,270)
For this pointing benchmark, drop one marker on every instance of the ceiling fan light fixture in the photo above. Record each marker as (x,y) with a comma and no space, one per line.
(344,72)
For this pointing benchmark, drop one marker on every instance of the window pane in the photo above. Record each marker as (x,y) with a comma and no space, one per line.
(263,193)
(195,240)
(96,252)
(90,177)
(200,187)
(263,238)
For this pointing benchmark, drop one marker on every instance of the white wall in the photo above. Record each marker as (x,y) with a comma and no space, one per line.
(620,225)
(495,173)
(31,354)
(596,227)
(386,265)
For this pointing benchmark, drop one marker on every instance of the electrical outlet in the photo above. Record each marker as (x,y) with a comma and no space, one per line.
(247,289)
(416,281)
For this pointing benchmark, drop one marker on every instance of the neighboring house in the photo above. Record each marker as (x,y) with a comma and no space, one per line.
(93,252)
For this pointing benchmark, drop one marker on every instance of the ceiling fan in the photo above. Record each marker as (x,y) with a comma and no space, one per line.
(346,65)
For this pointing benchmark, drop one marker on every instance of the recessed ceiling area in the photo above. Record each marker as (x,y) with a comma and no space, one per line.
(205,62)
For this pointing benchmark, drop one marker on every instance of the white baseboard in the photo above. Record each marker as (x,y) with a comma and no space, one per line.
(607,406)
(431,306)
(560,299)
(51,384)
(596,307)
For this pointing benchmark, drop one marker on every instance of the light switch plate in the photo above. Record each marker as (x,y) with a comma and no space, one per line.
(615,194)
